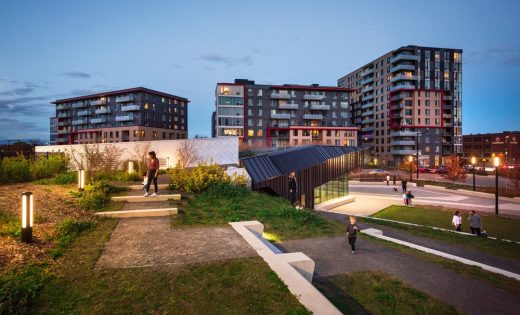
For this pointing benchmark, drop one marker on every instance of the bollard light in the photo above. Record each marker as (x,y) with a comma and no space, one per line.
(27,216)
(168,162)
(81,179)
(130,167)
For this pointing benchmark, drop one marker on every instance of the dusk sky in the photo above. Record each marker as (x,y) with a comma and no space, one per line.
(58,49)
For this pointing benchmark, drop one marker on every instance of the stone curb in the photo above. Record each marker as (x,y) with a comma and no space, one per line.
(146,199)
(139,213)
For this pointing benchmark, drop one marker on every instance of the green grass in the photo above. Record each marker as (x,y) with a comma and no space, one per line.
(375,292)
(511,192)
(281,221)
(9,225)
(498,226)
(496,280)
(246,286)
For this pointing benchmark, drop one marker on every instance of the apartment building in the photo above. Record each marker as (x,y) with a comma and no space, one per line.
(485,146)
(409,100)
(136,114)
(283,115)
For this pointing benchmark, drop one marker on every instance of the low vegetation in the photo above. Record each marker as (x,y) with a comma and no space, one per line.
(96,196)
(20,169)
(374,292)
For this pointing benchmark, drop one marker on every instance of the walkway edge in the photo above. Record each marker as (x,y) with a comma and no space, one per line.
(294,269)
(379,234)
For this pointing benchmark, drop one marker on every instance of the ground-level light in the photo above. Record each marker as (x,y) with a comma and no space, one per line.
(81,179)
(130,167)
(27,216)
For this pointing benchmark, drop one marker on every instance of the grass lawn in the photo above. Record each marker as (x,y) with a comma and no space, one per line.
(375,292)
(281,221)
(493,279)
(246,286)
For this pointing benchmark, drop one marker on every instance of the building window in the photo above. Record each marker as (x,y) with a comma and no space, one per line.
(250,133)
(259,133)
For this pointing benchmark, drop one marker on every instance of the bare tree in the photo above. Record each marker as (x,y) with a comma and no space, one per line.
(139,153)
(111,157)
(187,154)
(454,170)
(89,158)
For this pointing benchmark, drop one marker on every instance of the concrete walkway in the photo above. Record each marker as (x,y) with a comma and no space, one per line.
(332,256)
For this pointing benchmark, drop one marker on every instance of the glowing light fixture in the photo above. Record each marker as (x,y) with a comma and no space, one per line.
(130,167)
(27,216)
(496,161)
(410,158)
(473,160)
(81,179)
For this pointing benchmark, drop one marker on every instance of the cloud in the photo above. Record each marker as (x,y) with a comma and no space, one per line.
(9,123)
(25,89)
(509,56)
(176,66)
(227,60)
(76,74)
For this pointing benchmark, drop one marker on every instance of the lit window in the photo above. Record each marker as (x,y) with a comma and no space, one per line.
(250,133)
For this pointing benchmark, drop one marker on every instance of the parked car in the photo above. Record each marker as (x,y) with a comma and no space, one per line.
(439,170)
(424,170)
(378,172)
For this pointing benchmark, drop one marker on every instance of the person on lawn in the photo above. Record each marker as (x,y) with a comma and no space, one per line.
(152,174)
(457,221)
(405,198)
(293,187)
(409,197)
(475,223)
(352,230)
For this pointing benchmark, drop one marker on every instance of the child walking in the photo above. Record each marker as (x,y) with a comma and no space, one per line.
(352,230)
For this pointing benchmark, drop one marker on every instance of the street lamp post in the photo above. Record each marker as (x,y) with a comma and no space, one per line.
(417,152)
(497,164)
(410,159)
(473,162)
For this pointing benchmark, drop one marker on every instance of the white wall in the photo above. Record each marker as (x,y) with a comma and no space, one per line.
(223,150)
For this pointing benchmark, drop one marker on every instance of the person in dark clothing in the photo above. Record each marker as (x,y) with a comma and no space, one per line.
(352,230)
(475,223)
(153,173)
(293,187)
(394,179)
(403,185)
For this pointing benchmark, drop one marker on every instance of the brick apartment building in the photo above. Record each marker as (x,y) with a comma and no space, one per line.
(135,114)
(488,145)
(283,115)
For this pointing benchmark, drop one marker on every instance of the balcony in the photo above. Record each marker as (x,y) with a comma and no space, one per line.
(367,121)
(402,67)
(399,96)
(124,117)
(403,142)
(367,98)
(312,116)
(85,112)
(122,99)
(366,129)
(403,152)
(403,134)
(366,81)
(63,123)
(403,77)
(63,131)
(98,102)
(320,107)
(63,115)
(367,105)
(404,57)
(281,96)
(98,120)
(367,72)
(398,106)
(367,113)
(313,97)
(62,106)
(79,122)
(367,89)
(79,105)
(288,106)
(280,116)
(103,111)
(129,108)
(344,106)
(402,87)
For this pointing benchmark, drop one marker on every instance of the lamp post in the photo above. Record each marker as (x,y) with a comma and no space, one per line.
(410,159)
(167,162)
(27,216)
(473,162)
(497,164)
(417,152)
(130,167)
(81,179)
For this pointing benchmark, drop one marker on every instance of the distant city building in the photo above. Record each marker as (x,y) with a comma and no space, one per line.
(409,90)
(488,145)
(283,115)
(135,114)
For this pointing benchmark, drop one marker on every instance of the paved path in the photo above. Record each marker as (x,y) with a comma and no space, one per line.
(332,256)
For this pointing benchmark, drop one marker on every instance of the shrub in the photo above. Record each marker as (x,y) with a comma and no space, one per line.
(198,178)
(14,170)
(118,175)
(226,189)
(95,196)
(66,178)
(43,167)
(9,225)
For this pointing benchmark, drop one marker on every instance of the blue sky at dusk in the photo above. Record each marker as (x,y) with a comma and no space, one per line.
(58,49)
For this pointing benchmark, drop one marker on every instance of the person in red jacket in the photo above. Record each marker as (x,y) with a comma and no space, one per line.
(152,173)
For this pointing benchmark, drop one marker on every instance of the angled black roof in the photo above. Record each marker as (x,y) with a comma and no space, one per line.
(281,163)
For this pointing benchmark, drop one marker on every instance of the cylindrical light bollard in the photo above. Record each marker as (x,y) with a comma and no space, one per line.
(27,216)
(130,167)
(81,179)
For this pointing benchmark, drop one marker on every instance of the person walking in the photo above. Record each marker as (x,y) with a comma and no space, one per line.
(293,187)
(394,179)
(457,221)
(352,230)
(405,199)
(475,223)
(403,185)
(152,173)
(387,180)
(409,197)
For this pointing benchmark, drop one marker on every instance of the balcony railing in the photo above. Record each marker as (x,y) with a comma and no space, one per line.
(124,117)
(402,67)
(63,123)
(79,105)
(62,106)
(98,120)
(367,105)
(63,131)
(402,87)
(284,96)
(367,89)
(367,121)
(365,129)
(367,98)
(404,57)
(121,99)
(320,107)
(344,106)
(312,116)
(367,113)
(80,122)
(367,72)
(403,78)
(403,142)
(403,134)
(288,106)
(403,152)
(280,116)
(84,112)
(63,115)
(313,97)
(98,102)
(129,108)
(366,81)
(103,111)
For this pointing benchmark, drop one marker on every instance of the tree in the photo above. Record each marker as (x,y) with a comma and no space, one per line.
(405,166)
(187,154)
(140,151)
(454,169)
(89,158)
(111,157)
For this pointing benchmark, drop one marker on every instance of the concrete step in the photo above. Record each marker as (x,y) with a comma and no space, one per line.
(140,187)
(140,198)
(139,213)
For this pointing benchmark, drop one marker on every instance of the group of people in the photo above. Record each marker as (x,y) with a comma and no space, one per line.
(407,194)
(475,222)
